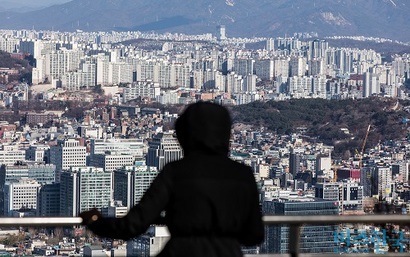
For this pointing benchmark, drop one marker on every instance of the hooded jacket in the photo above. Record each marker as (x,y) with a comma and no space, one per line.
(211,202)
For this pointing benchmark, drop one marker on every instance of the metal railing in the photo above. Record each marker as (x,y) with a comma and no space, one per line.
(294,222)
(297,222)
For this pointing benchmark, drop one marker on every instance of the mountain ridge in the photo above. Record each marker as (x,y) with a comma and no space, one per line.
(245,18)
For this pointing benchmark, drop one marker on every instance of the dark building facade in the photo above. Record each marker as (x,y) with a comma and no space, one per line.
(313,239)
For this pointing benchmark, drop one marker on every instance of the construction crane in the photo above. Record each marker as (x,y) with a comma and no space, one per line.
(363,145)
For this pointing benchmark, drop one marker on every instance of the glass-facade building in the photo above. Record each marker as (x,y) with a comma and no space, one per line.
(313,239)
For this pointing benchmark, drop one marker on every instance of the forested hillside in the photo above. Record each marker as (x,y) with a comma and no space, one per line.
(324,119)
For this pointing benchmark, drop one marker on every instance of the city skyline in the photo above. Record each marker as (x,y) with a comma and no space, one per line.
(386,19)
(91,125)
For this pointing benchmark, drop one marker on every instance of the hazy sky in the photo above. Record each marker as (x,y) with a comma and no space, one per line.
(7,4)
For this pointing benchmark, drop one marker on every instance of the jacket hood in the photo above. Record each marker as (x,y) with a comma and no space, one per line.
(205,127)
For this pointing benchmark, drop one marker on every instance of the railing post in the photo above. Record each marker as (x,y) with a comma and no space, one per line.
(294,240)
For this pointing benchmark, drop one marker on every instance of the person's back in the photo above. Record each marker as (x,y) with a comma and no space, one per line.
(215,205)
(210,202)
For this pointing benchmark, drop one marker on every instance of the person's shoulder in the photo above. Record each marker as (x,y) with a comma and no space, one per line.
(241,168)
(173,166)
(238,164)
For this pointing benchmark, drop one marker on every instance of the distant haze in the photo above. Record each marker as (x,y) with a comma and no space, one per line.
(28,4)
(267,18)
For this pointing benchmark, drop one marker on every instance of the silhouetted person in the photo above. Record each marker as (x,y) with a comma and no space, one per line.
(210,202)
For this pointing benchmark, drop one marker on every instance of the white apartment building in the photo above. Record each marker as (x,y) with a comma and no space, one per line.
(316,67)
(281,67)
(20,194)
(382,180)
(197,77)
(245,98)
(85,77)
(168,97)
(141,89)
(9,44)
(59,62)
(317,49)
(166,74)
(264,69)
(243,66)
(401,65)
(249,84)
(103,68)
(147,70)
(371,85)
(299,87)
(119,72)
(84,188)
(234,83)
(297,66)
(319,86)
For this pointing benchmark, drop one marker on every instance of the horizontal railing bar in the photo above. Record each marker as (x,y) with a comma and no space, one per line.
(40,222)
(388,254)
(336,219)
(268,220)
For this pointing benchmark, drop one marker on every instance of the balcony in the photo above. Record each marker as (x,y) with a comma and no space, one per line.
(295,224)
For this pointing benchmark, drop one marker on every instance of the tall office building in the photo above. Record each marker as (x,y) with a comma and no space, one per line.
(371,85)
(324,165)
(134,147)
(401,170)
(328,191)
(376,181)
(313,239)
(352,197)
(294,163)
(19,195)
(221,33)
(84,188)
(163,148)
(270,44)
(10,154)
(131,182)
(383,181)
(66,154)
(111,160)
(367,180)
(43,173)
(48,201)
